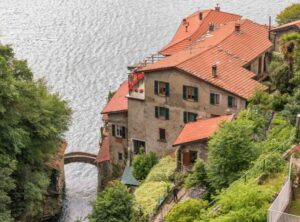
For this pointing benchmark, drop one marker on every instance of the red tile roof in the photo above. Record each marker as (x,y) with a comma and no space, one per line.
(230,50)
(103,154)
(294,23)
(200,130)
(119,101)
(196,28)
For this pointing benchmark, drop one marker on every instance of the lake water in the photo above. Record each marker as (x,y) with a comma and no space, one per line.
(82,48)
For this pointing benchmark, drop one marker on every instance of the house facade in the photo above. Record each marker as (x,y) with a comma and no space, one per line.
(211,67)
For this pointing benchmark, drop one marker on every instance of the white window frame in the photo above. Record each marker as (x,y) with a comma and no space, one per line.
(118,131)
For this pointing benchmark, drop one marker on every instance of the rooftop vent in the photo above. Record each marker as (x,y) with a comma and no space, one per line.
(214,70)
(211,27)
(237,27)
(200,16)
(218,8)
(186,24)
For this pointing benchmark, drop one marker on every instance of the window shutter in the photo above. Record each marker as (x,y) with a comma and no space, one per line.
(184,92)
(113,130)
(123,132)
(167,89)
(185,117)
(212,98)
(196,94)
(167,113)
(156,87)
(156,111)
(230,101)
(195,116)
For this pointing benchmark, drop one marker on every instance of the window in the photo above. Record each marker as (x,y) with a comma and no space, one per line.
(161,88)
(162,134)
(118,131)
(138,146)
(232,102)
(214,99)
(190,93)
(161,112)
(189,117)
(120,156)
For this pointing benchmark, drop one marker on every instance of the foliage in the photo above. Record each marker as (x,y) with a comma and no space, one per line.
(156,186)
(187,211)
(230,152)
(142,164)
(31,131)
(149,194)
(198,175)
(110,95)
(114,204)
(292,108)
(162,171)
(289,14)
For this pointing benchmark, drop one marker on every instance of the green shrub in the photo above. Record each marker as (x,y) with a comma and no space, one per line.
(142,164)
(163,171)
(197,176)
(114,204)
(149,194)
(187,211)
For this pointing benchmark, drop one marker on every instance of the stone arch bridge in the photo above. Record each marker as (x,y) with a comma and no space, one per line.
(80,157)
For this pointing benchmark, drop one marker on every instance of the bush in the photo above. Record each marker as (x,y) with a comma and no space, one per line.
(230,152)
(163,171)
(149,194)
(289,14)
(187,211)
(142,164)
(197,176)
(114,204)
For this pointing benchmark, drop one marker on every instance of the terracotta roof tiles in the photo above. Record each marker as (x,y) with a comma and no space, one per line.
(103,154)
(118,102)
(294,23)
(200,130)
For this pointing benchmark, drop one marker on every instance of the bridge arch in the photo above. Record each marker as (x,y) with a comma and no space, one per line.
(80,157)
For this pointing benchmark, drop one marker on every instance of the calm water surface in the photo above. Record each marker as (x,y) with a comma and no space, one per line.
(82,48)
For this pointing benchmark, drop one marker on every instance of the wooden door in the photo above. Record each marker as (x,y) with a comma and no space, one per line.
(186,158)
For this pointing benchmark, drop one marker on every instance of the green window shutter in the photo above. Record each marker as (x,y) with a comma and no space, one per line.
(212,99)
(123,132)
(167,113)
(156,87)
(196,94)
(167,89)
(156,111)
(230,101)
(184,92)
(185,117)
(113,129)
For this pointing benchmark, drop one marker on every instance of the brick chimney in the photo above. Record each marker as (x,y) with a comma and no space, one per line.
(201,16)
(214,70)
(211,27)
(237,27)
(218,8)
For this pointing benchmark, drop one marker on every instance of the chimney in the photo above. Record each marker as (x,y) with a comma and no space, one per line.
(211,27)
(186,24)
(214,70)
(237,27)
(200,16)
(218,8)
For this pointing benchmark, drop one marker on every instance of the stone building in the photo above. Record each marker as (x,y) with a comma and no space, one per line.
(210,68)
(283,29)
(193,138)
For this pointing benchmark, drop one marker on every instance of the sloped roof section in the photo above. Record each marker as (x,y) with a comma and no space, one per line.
(294,23)
(128,178)
(118,102)
(200,130)
(196,28)
(103,154)
(229,50)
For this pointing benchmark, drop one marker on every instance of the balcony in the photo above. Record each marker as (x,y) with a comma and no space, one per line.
(136,86)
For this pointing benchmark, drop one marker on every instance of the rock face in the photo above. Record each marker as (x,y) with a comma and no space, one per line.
(53,201)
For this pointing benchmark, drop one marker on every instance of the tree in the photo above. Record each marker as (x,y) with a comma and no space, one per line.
(31,130)
(289,14)
(142,164)
(114,204)
(198,175)
(230,152)
(292,108)
(187,211)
